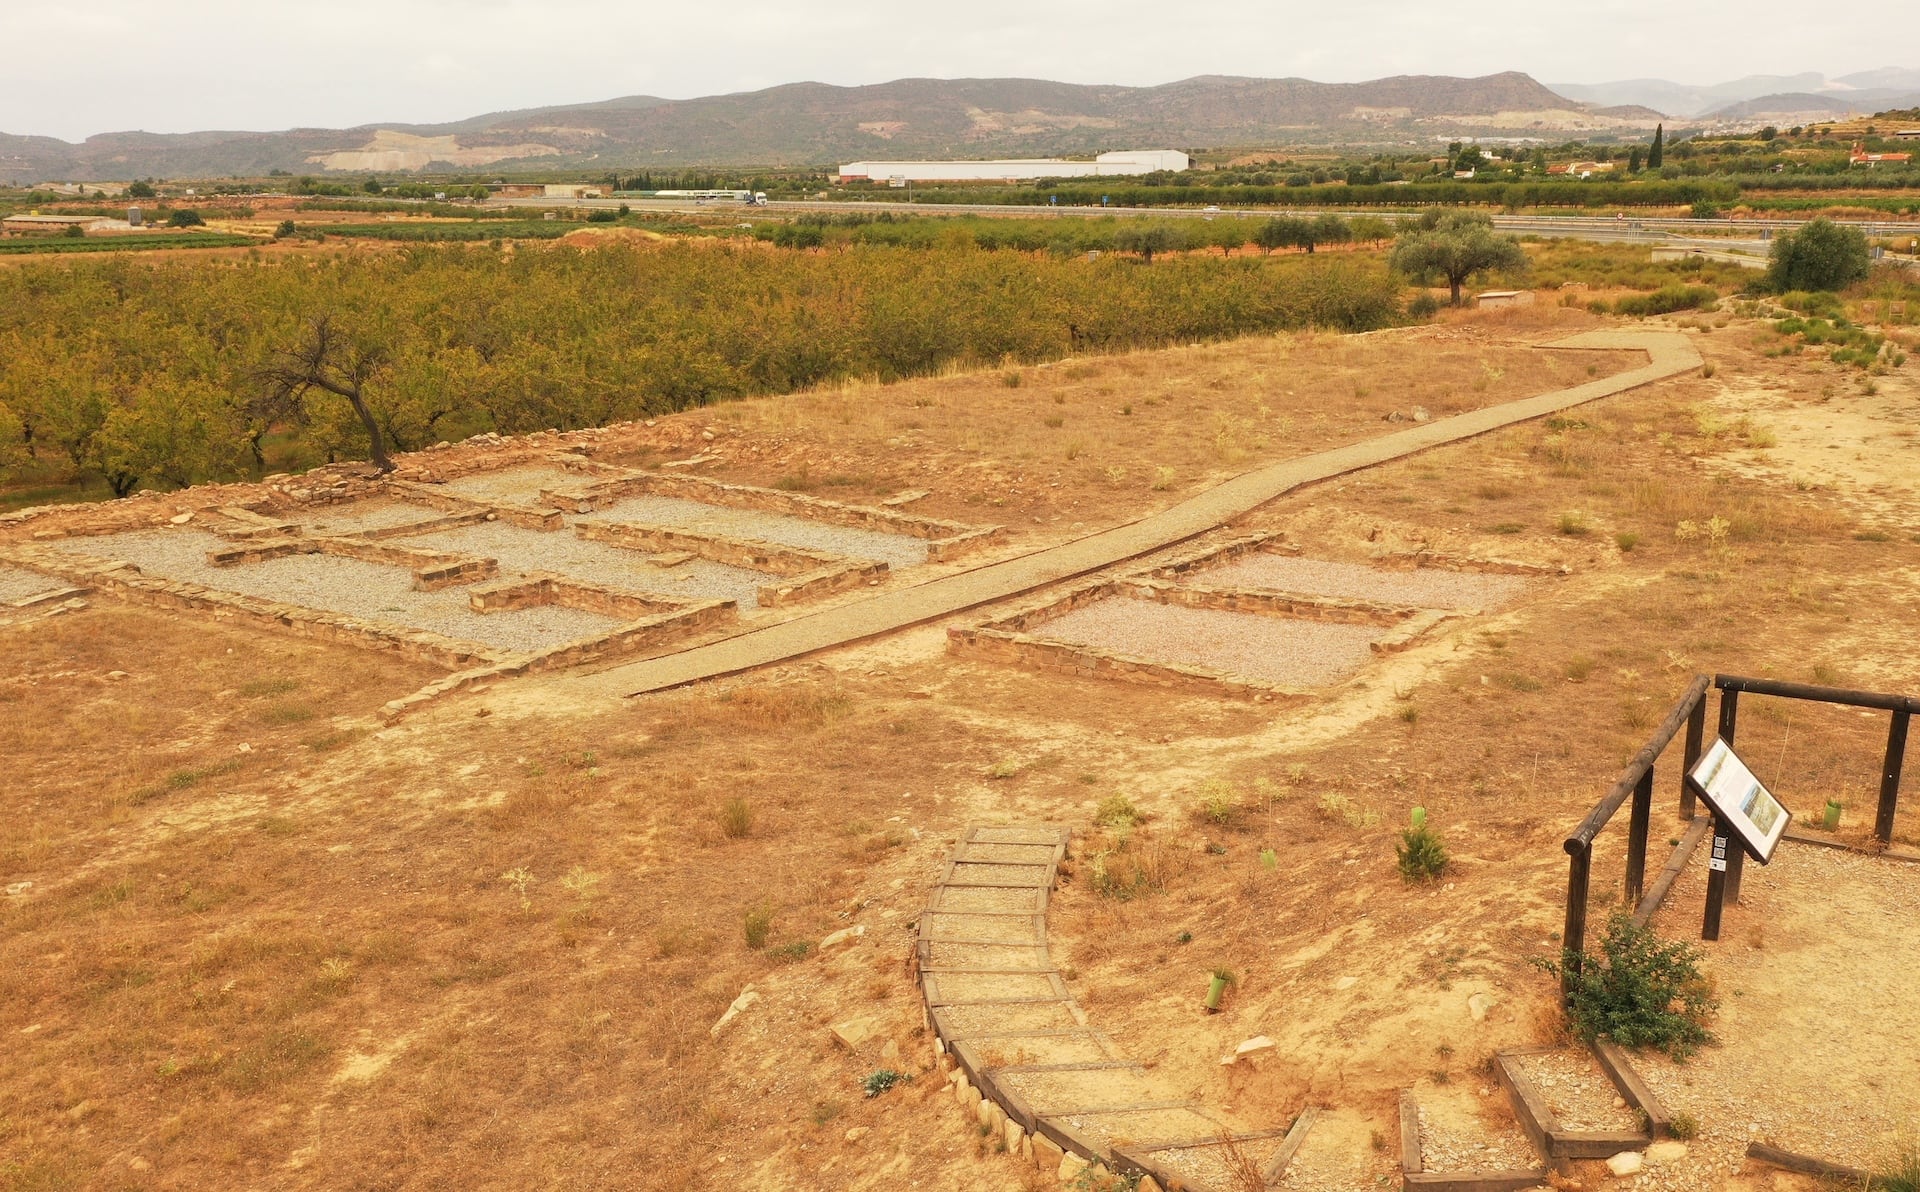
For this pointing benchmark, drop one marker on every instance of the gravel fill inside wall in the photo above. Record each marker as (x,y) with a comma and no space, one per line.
(895,550)
(18,584)
(324,582)
(560,551)
(1422,588)
(362,516)
(514,486)
(1273,650)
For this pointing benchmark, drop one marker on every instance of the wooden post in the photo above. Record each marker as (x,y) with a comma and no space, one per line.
(1637,837)
(1696,731)
(1723,843)
(1890,777)
(1574,939)
(1732,856)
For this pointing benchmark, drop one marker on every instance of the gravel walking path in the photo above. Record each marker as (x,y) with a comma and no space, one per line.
(1669,354)
(1815,970)
(1577,1091)
(1422,588)
(331,584)
(17,584)
(1277,650)
(560,551)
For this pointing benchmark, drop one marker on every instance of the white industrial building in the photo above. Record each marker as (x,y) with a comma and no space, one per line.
(1139,161)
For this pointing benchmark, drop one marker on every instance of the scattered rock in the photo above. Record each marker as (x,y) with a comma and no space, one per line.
(890,1054)
(138,1163)
(15,889)
(1346,983)
(906,498)
(1666,1150)
(843,935)
(116,676)
(855,1031)
(1478,1005)
(1257,1043)
(1625,1163)
(1420,414)
(181,519)
(747,998)
(858,1132)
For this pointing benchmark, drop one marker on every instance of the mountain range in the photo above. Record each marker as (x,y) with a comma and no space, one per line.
(815,124)
(803,124)
(1807,94)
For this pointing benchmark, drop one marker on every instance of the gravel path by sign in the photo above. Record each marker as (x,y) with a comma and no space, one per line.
(332,584)
(1423,588)
(1815,969)
(1275,650)
(521,550)
(18,584)
(895,550)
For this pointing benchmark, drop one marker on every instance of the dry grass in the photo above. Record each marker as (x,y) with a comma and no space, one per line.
(1100,437)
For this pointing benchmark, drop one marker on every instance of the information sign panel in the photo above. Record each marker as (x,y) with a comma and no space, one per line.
(1743,804)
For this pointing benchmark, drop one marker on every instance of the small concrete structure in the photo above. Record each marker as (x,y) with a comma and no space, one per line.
(1497,298)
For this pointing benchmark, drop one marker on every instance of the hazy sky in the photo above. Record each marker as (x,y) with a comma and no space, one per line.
(73,69)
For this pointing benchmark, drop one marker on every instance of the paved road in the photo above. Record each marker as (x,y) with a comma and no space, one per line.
(1668,354)
(1580,227)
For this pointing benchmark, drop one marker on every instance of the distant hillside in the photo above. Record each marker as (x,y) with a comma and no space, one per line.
(815,124)
(1822,106)
(1865,91)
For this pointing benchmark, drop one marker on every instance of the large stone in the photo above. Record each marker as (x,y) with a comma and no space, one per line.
(1014,1135)
(854,1032)
(1147,1184)
(1046,1153)
(1253,1046)
(747,998)
(1667,1150)
(858,1132)
(1625,1163)
(844,935)
(1478,1005)
(1070,1168)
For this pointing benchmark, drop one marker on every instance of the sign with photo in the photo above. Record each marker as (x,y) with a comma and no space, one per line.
(1746,806)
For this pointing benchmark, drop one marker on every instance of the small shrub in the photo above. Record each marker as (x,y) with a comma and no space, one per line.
(1010,379)
(1004,768)
(790,953)
(1422,855)
(882,1080)
(1573,524)
(1707,369)
(1682,1126)
(184,218)
(736,818)
(1641,991)
(1219,802)
(1116,811)
(1423,307)
(826,1111)
(1340,809)
(1626,540)
(1579,667)
(755,925)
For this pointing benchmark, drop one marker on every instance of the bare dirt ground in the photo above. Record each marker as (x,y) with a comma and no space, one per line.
(485,946)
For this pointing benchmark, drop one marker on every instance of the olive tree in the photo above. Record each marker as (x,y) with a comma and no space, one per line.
(328,360)
(1455,246)
(1822,255)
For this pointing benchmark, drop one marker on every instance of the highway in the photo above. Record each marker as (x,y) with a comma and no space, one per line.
(1651,230)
